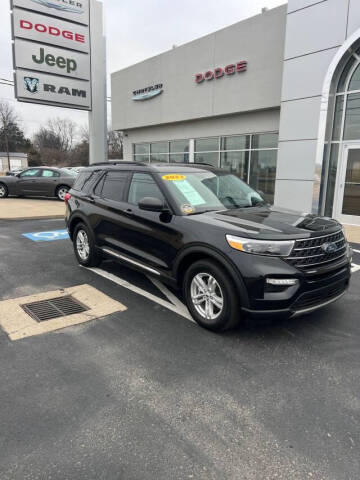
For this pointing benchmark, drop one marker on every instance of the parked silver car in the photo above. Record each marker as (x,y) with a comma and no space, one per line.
(38,182)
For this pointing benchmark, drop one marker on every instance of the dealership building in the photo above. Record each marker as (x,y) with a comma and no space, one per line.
(274,98)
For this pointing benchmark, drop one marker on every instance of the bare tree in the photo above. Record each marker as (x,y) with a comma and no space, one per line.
(8,117)
(84,133)
(45,138)
(115,144)
(65,130)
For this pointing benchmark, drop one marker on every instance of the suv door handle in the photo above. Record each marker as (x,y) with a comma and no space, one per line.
(91,199)
(128,211)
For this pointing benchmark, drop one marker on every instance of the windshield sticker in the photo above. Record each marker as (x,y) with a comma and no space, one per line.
(189,192)
(187,209)
(174,177)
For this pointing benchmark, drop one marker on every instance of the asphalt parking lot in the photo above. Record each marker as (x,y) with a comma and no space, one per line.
(144,393)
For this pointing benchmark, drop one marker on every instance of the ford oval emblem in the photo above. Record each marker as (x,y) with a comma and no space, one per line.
(329,247)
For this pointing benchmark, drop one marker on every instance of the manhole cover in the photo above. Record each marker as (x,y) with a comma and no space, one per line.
(53,308)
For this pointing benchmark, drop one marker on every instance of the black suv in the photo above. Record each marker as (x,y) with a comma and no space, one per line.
(208,233)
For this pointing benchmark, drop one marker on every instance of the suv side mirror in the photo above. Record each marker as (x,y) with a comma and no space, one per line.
(151,204)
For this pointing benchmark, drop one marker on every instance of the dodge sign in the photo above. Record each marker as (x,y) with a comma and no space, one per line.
(40,28)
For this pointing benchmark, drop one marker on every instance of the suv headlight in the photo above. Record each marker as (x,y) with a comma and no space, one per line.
(278,248)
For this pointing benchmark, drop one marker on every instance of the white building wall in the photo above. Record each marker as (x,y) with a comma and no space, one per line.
(314,32)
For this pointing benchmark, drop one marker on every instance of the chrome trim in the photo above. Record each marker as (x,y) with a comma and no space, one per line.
(319,263)
(317,255)
(315,238)
(315,307)
(129,260)
(318,246)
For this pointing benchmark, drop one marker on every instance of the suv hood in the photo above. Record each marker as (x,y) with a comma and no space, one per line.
(269,223)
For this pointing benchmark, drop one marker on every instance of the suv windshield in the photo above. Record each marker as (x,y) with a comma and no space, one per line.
(198,192)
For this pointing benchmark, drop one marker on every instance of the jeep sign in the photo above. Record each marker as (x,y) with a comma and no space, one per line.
(40,28)
(51,89)
(47,59)
(72,10)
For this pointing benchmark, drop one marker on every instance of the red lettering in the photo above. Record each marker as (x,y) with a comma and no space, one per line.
(230,69)
(199,77)
(241,66)
(40,28)
(54,31)
(218,72)
(68,35)
(79,38)
(25,24)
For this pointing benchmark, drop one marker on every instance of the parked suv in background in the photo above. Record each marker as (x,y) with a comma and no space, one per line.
(208,233)
(38,182)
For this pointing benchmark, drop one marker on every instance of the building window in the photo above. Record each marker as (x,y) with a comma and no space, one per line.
(207,144)
(252,157)
(344,126)
(176,151)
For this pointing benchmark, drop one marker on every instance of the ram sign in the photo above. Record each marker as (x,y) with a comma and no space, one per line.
(36,87)
(51,51)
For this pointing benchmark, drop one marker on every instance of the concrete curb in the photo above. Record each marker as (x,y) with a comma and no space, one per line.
(50,217)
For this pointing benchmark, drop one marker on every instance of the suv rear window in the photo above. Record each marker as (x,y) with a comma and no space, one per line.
(84,180)
(81,179)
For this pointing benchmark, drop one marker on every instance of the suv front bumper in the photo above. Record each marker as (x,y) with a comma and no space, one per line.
(310,293)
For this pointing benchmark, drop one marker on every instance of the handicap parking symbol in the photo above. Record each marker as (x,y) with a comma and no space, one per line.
(49,236)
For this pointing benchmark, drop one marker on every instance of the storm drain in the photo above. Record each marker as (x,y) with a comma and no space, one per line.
(53,308)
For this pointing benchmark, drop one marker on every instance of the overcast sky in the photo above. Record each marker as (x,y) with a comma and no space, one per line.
(136,30)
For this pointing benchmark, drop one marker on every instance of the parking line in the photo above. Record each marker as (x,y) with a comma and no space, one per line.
(357,251)
(177,308)
(355,268)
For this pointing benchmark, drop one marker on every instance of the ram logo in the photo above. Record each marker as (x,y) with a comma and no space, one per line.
(32,84)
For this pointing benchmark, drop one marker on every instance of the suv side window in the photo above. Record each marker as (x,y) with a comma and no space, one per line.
(114,185)
(143,185)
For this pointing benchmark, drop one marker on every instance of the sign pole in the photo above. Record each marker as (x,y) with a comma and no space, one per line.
(98,115)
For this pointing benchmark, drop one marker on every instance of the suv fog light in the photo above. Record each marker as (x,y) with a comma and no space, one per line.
(282,282)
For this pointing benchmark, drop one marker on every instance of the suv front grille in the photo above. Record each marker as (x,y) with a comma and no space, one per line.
(308,253)
(311,299)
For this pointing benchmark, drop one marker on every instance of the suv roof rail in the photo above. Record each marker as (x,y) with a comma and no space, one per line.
(117,162)
(202,163)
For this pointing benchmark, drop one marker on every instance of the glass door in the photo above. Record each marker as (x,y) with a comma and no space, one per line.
(347,199)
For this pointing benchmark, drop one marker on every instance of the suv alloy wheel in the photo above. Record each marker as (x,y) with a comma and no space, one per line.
(210,296)
(84,247)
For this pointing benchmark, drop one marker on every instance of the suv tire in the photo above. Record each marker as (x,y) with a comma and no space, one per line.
(211,296)
(84,247)
(4,192)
